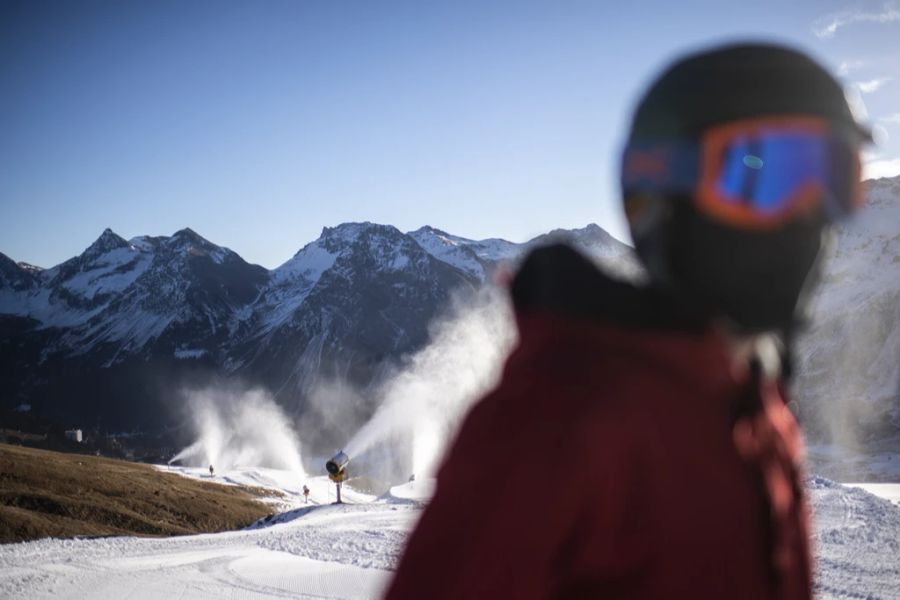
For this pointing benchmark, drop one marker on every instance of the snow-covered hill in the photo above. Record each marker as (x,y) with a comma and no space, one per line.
(319,550)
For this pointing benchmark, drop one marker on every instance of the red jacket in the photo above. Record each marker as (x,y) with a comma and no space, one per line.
(612,462)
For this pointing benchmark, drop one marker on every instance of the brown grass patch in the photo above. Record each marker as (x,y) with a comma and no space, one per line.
(50,494)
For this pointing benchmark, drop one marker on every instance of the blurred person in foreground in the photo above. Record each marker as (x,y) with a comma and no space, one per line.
(656,413)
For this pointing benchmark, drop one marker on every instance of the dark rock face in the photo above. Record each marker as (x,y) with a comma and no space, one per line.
(14,277)
(108,338)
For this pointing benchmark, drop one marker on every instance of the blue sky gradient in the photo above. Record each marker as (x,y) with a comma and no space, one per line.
(258,123)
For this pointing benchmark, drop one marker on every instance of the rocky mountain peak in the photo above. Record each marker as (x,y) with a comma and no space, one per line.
(349,233)
(189,243)
(429,230)
(14,276)
(187,237)
(30,267)
(107,242)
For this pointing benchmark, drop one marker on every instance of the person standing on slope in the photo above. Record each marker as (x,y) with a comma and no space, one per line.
(656,413)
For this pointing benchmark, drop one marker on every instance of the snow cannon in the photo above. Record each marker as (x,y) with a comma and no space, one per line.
(336,466)
(337,471)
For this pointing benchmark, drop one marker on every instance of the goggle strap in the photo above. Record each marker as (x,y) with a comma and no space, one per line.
(654,166)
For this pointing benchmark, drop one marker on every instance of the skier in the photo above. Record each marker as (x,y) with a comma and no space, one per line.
(305,495)
(656,412)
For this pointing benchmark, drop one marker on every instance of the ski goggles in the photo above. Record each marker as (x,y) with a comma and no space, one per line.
(754,174)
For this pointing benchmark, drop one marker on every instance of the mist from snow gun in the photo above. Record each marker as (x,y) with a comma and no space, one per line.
(849,370)
(423,404)
(239,428)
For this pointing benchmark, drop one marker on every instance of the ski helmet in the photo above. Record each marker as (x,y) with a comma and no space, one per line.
(757,278)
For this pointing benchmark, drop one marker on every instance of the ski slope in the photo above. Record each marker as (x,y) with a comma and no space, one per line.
(322,550)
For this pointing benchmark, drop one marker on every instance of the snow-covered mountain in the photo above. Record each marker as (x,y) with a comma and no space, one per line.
(481,257)
(130,292)
(848,383)
(110,335)
(345,306)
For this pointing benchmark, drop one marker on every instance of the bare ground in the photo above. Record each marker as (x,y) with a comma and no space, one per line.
(51,494)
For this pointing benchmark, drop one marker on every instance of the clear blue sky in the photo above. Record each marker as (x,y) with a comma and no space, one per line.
(258,123)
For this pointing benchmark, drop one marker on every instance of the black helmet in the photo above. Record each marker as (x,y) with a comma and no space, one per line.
(756,278)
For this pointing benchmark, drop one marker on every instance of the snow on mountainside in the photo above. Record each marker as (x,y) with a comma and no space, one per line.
(130,293)
(138,314)
(14,279)
(104,325)
(848,383)
(481,257)
(361,297)
(453,250)
(339,252)
(348,303)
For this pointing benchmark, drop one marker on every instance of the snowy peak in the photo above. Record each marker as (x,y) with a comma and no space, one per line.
(107,242)
(107,266)
(378,242)
(480,257)
(189,237)
(370,244)
(189,243)
(349,234)
(453,250)
(157,292)
(491,249)
(592,238)
(15,277)
(30,267)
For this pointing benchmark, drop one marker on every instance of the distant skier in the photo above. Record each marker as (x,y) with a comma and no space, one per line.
(305,495)
(656,410)
(412,477)
(211,471)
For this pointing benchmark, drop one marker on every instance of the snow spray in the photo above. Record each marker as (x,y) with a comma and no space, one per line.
(239,428)
(423,404)
(849,376)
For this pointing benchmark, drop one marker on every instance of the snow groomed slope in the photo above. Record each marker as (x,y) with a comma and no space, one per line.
(322,550)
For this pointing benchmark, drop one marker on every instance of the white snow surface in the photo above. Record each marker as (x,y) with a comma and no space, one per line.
(453,250)
(888,491)
(309,264)
(314,550)
(856,542)
(323,550)
(480,257)
(111,273)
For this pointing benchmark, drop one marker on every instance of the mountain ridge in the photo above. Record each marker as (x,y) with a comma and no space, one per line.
(108,338)
(144,314)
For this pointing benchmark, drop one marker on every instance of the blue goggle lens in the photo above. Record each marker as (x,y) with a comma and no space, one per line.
(766,171)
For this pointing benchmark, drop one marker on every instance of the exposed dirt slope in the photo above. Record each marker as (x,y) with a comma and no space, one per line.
(50,494)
